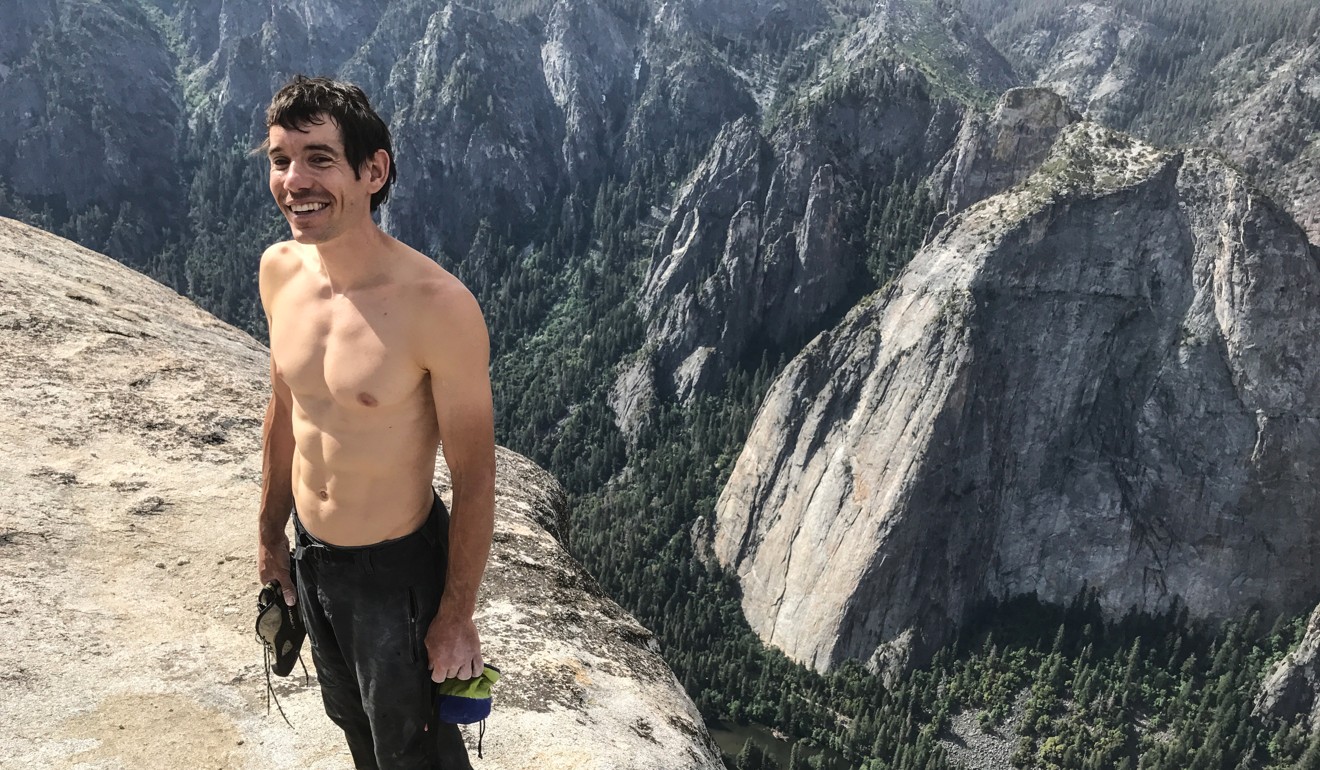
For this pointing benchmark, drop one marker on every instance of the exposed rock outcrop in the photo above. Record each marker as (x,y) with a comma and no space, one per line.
(1090,53)
(937,40)
(760,249)
(1105,377)
(686,94)
(1269,121)
(129,459)
(1264,105)
(1292,688)
(471,110)
(712,239)
(589,62)
(244,49)
(998,150)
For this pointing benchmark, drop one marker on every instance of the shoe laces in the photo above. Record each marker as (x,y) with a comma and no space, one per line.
(266,653)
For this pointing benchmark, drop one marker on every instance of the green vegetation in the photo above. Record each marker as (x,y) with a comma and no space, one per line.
(897,220)
(1146,692)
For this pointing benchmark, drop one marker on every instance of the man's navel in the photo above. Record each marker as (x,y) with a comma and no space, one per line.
(366,399)
(324,495)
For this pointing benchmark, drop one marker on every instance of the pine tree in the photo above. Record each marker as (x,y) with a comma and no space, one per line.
(1310,759)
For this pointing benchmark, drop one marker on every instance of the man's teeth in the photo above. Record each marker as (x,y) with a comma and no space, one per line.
(303,208)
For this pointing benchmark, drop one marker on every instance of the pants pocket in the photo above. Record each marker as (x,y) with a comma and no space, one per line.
(414,639)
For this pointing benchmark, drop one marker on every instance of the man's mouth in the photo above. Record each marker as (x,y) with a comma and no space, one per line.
(306,208)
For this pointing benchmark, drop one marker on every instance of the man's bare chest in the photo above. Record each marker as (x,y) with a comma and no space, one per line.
(354,354)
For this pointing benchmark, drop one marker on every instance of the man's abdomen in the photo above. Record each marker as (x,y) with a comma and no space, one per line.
(361,485)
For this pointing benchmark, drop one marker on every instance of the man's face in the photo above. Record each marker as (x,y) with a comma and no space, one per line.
(314,185)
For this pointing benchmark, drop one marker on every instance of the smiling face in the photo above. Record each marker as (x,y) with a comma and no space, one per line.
(314,185)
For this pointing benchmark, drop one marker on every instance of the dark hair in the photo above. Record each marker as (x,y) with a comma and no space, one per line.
(305,101)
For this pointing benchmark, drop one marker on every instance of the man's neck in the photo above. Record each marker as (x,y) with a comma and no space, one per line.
(355,260)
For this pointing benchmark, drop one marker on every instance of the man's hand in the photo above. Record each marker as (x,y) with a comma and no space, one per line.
(453,648)
(273,564)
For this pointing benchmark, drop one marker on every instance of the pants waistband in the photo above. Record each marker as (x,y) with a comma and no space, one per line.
(308,545)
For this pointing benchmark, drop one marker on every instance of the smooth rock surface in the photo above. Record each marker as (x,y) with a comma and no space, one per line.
(1105,377)
(129,456)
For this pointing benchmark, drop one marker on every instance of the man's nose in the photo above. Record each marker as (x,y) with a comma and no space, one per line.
(296,177)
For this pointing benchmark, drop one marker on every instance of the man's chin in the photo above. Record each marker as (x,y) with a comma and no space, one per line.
(305,237)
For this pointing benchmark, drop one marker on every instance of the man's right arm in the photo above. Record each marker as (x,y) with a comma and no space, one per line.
(277,447)
(276,492)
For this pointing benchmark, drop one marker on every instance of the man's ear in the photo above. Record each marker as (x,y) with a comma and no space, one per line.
(377,169)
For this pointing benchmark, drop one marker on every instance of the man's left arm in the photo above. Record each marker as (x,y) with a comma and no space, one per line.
(459,361)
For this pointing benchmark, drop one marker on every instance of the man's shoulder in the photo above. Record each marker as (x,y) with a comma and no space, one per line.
(446,317)
(279,262)
(439,294)
(281,255)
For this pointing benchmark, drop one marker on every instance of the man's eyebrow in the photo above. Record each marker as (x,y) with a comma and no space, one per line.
(325,148)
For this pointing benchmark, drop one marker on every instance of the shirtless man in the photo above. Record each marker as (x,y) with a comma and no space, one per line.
(378,355)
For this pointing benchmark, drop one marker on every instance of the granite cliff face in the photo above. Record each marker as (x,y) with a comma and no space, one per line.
(760,248)
(938,40)
(1089,55)
(1000,149)
(588,58)
(1269,122)
(98,129)
(129,455)
(1103,377)
(1264,105)
(471,109)
(1292,688)
(240,51)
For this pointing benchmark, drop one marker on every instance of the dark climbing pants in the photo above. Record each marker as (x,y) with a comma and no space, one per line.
(367,610)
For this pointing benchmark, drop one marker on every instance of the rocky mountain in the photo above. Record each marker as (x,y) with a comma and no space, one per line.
(938,40)
(474,113)
(1226,75)
(93,122)
(1099,378)
(761,246)
(763,243)
(1292,688)
(1090,54)
(129,452)
(1000,149)
(1269,122)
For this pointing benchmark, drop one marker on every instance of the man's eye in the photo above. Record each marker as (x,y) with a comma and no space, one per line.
(279,162)
(322,160)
